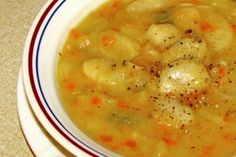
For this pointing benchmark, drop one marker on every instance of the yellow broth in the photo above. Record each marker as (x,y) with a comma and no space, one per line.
(154,78)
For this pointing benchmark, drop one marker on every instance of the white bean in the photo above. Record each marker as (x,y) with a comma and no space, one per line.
(140,6)
(183,77)
(173,113)
(119,75)
(163,35)
(186,49)
(100,71)
(186,17)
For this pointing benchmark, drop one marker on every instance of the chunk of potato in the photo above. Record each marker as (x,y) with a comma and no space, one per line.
(163,35)
(186,49)
(184,77)
(140,6)
(124,75)
(173,113)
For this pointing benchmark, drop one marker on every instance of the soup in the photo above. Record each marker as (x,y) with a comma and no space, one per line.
(154,78)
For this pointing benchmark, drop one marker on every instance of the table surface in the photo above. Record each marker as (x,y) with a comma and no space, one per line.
(16,18)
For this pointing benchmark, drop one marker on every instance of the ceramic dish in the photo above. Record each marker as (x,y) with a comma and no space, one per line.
(38,139)
(40,54)
(149,78)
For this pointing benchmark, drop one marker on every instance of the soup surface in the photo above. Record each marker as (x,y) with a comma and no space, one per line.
(154,78)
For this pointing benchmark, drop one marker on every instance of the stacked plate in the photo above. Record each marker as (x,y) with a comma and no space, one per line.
(41,114)
(41,143)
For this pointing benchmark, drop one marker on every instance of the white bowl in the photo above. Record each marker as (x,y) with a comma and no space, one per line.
(42,47)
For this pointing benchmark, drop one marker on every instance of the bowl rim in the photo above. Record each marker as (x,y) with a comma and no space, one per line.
(48,10)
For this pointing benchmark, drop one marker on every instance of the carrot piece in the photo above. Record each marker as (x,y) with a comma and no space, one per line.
(75,34)
(207,151)
(131,74)
(106,138)
(122,105)
(116,5)
(164,130)
(69,85)
(205,26)
(167,135)
(230,116)
(229,137)
(108,40)
(111,11)
(116,29)
(95,100)
(131,143)
(234,27)
(195,1)
(115,147)
(221,71)
(169,141)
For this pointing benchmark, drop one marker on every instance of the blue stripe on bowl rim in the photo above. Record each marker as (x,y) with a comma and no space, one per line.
(50,13)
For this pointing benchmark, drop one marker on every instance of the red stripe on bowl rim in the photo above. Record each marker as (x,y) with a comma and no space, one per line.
(32,82)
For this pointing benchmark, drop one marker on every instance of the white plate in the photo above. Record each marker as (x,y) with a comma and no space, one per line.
(41,52)
(39,140)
